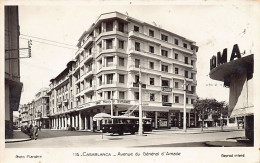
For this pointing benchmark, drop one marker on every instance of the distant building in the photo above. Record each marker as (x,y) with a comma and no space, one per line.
(41,108)
(24,114)
(13,86)
(106,67)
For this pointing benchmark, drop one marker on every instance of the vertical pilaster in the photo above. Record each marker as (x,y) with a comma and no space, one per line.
(156,120)
(80,121)
(77,122)
(91,123)
(86,123)
(73,121)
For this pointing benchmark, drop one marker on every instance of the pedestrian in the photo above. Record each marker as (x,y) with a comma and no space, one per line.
(35,132)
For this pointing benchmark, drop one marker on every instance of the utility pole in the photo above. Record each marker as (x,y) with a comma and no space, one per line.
(140,131)
(184,106)
(111,102)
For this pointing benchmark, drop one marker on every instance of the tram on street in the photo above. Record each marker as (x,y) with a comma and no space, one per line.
(125,124)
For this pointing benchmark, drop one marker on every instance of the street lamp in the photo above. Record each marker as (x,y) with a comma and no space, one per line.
(184,105)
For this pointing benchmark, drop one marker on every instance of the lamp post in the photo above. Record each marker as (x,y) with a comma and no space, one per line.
(140,130)
(184,107)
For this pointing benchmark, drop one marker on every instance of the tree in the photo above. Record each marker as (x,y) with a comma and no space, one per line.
(205,107)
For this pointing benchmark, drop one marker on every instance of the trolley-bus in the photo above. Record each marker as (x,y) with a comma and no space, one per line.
(125,124)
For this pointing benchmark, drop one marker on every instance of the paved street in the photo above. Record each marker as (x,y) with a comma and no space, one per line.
(158,138)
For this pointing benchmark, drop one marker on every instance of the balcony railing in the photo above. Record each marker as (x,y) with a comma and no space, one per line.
(166,89)
(137,85)
(166,104)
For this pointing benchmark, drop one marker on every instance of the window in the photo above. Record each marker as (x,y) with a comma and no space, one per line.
(193,89)
(137,95)
(187,100)
(152,97)
(109,78)
(176,99)
(136,29)
(121,78)
(121,95)
(191,75)
(109,44)
(90,83)
(90,51)
(151,81)
(151,49)
(109,96)
(164,98)
(164,37)
(176,70)
(120,27)
(151,65)
(165,83)
(164,68)
(176,56)
(184,45)
(176,41)
(109,61)
(186,60)
(109,26)
(137,46)
(100,80)
(136,78)
(176,84)
(192,101)
(99,30)
(121,44)
(191,62)
(121,61)
(137,63)
(151,33)
(187,88)
(191,48)
(186,74)
(164,53)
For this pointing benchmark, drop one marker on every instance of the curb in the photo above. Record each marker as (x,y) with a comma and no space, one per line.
(18,140)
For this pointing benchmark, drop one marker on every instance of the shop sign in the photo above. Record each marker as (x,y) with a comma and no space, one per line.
(220,59)
(166,104)
(123,101)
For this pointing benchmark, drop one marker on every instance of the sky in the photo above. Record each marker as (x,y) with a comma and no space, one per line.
(212,27)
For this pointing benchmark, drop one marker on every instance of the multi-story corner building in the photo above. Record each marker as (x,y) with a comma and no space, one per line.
(13,86)
(107,67)
(41,108)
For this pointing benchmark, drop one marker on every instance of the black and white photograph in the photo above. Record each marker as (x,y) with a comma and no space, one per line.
(107,81)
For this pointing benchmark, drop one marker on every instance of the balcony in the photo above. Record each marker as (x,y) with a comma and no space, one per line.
(159,57)
(88,58)
(157,41)
(166,89)
(59,103)
(166,104)
(87,41)
(65,101)
(89,89)
(137,85)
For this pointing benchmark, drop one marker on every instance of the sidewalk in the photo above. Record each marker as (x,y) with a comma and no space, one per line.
(198,130)
(18,136)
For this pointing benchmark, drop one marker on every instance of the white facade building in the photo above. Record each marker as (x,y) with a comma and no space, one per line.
(106,66)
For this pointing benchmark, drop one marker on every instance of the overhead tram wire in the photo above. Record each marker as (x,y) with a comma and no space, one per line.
(48,43)
(56,42)
(47,40)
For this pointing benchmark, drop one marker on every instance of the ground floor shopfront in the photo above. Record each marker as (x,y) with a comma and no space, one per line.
(82,119)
